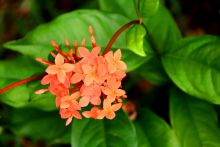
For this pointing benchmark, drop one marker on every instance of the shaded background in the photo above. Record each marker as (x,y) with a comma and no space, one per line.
(17,17)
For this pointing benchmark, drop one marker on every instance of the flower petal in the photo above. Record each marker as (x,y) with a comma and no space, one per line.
(75,105)
(111,98)
(84,101)
(120,92)
(116,107)
(46,79)
(95,90)
(67,67)
(69,120)
(77,115)
(106,91)
(110,115)
(101,115)
(67,82)
(64,105)
(61,75)
(117,55)
(41,91)
(95,100)
(75,95)
(58,100)
(88,80)
(77,68)
(119,75)
(111,68)
(76,78)
(87,114)
(83,52)
(101,69)
(109,57)
(52,69)
(59,60)
(95,51)
(87,69)
(121,65)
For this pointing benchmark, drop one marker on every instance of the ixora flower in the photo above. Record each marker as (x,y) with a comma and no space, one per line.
(83,79)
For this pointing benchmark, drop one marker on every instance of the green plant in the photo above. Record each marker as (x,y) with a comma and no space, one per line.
(152,47)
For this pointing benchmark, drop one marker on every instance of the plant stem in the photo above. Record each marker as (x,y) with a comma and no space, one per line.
(137,11)
(21,82)
(115,36)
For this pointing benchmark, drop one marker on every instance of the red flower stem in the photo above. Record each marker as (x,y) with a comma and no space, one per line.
(21,82)
(115,36)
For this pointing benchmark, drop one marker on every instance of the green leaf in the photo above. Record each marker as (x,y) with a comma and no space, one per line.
(153,71)
(132,60)
(19,67)
(135,39)
(161,25)
(37,124)
(163,29)
(148,8)
(156,131)
(194,121)
(15,97)
(118,132)
(141,137)
(24,96)
(194,67)
(44,102)
(74,26)
(13,70)
(119,6)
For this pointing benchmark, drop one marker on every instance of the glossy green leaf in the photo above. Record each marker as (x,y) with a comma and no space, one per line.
(19,67)
(141,137)
(74,26)
(153,71)
(16,97)
(156,131)
(148,8)
(124,7)
(161,25)
(37,124)
(163,29)
(24,96)
(118,132)
(132,60)
(135,39)
(43,101)
(194,67)
(13,70)
(194,121)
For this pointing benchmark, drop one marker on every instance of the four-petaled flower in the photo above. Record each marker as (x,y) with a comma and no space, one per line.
(89,58)
(94,113)
(109,110)
(112,89)
(60,68)
(91,94)
(114,62)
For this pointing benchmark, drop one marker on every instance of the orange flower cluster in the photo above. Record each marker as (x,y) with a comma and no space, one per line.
(81,80)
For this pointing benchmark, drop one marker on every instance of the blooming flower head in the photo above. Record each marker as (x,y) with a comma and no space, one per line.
(83,79)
